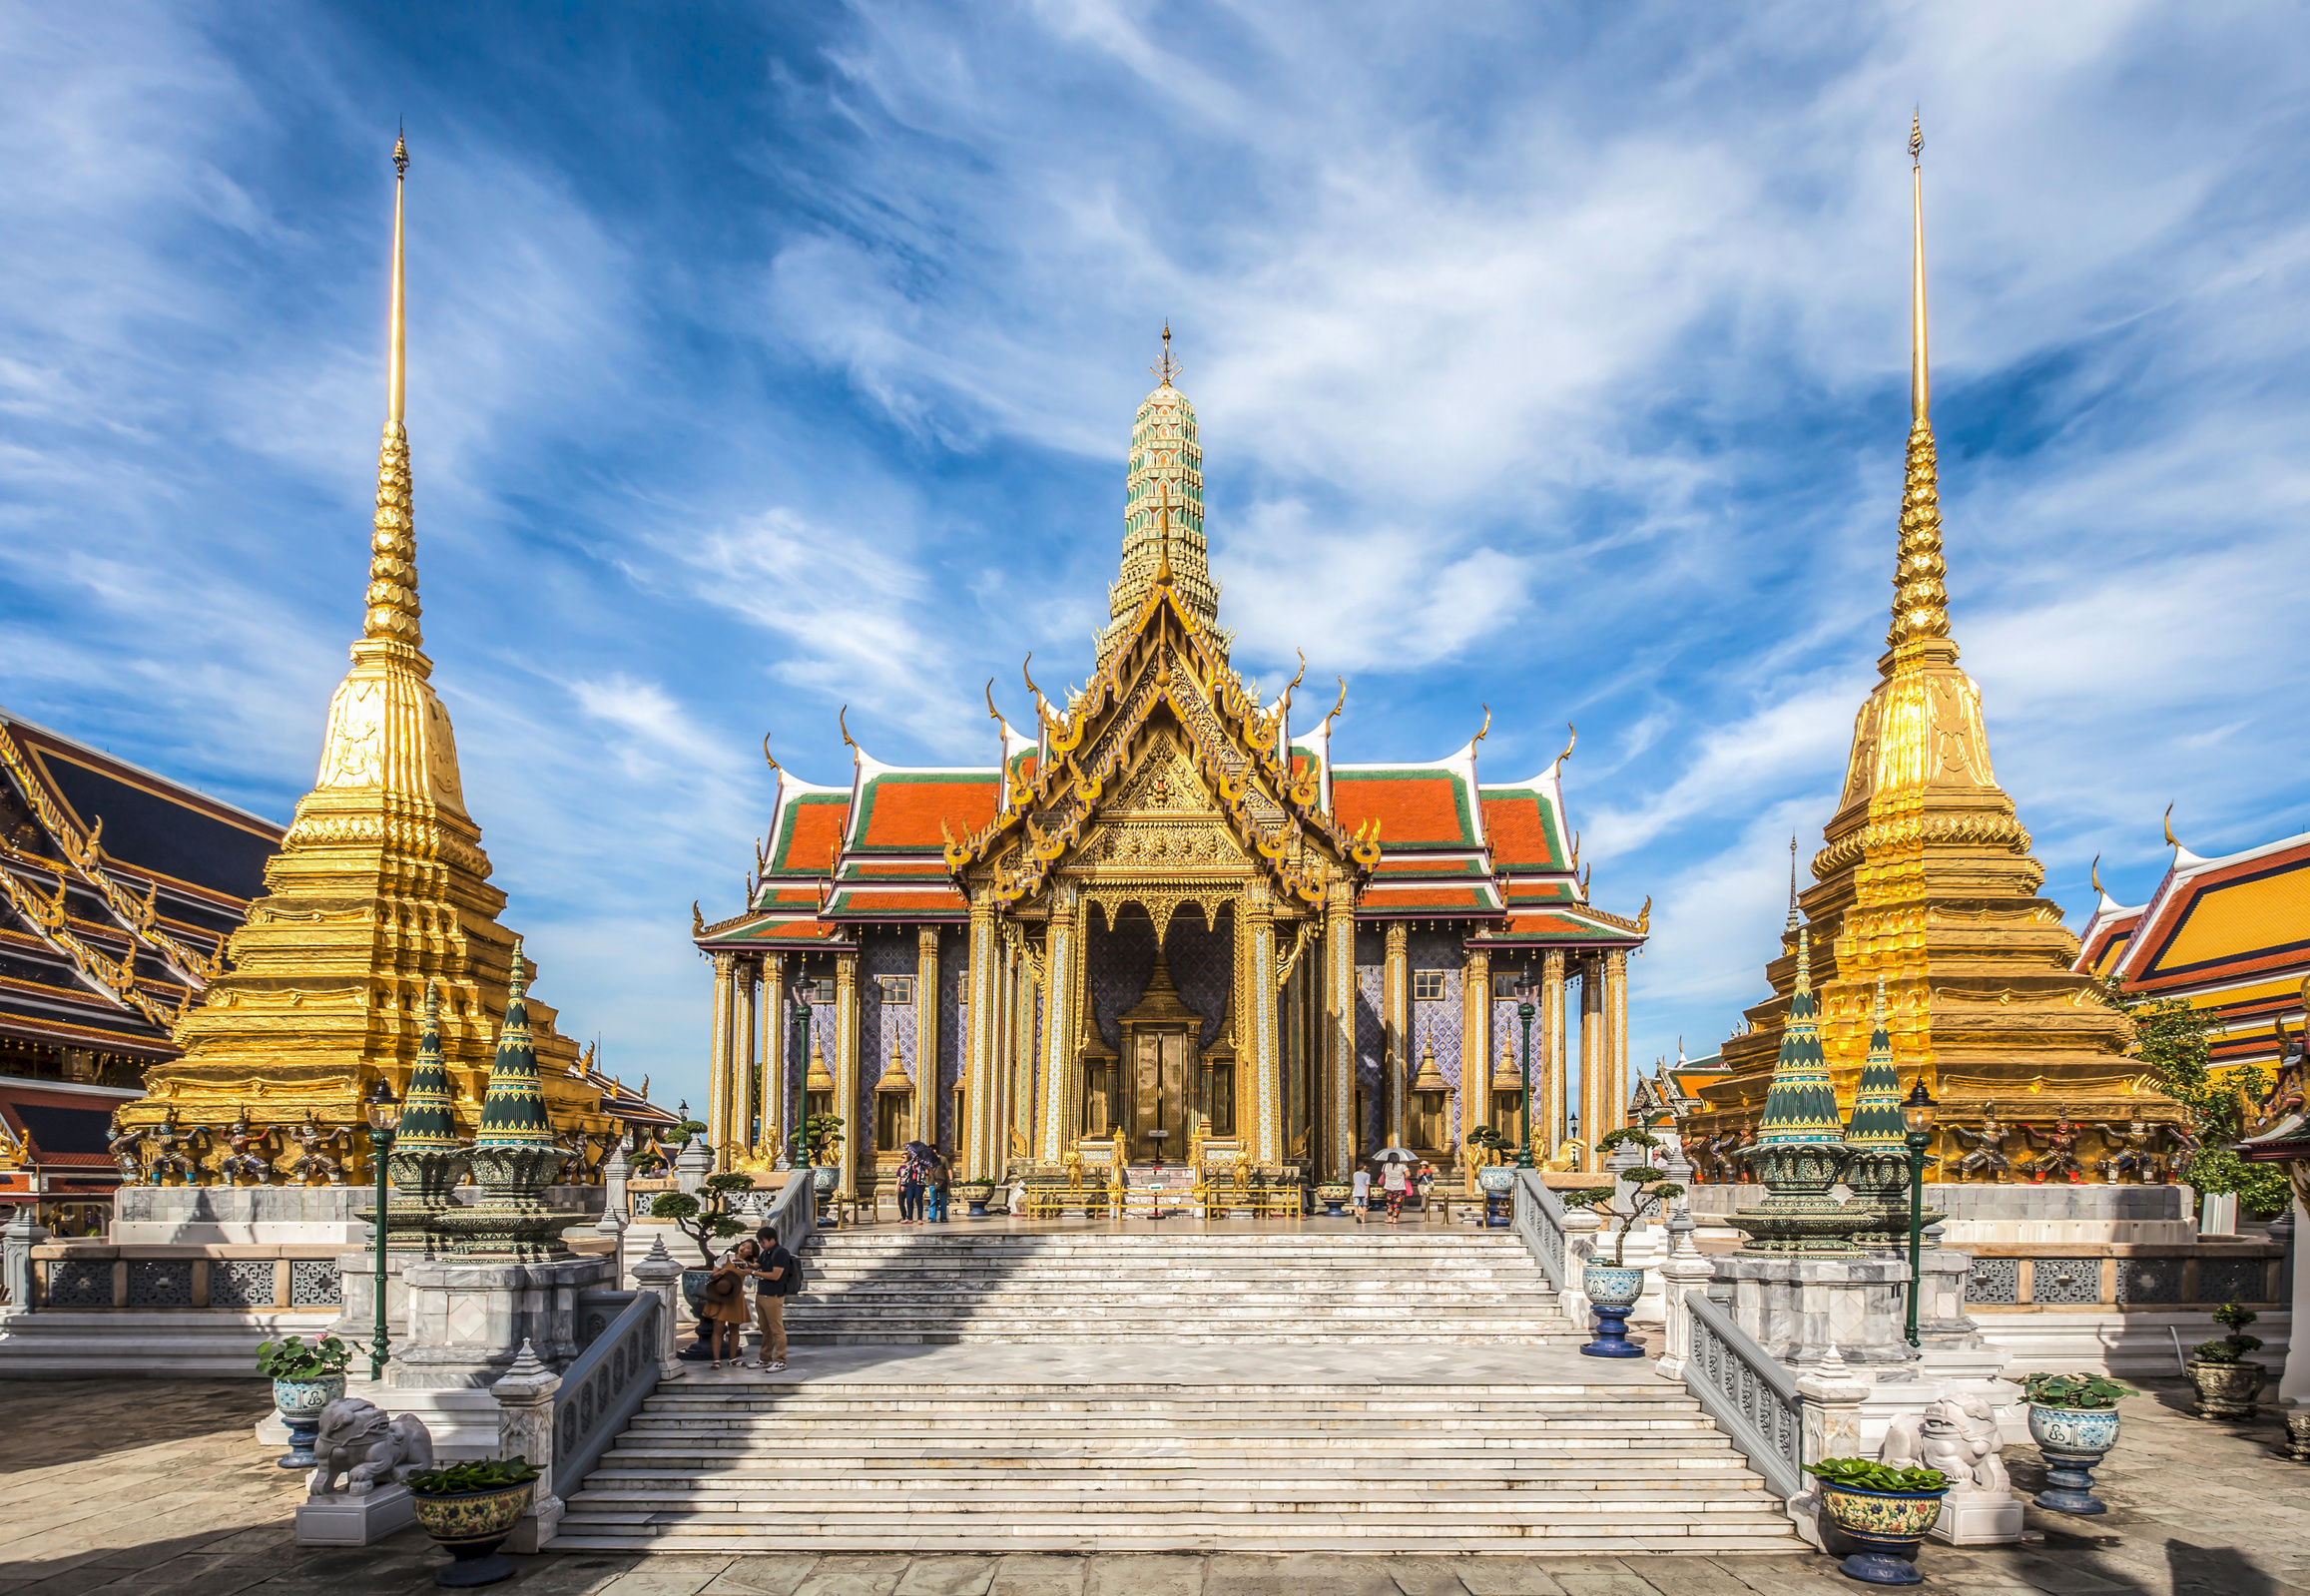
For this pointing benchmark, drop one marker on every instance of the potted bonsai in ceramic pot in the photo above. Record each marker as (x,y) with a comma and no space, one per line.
(469,1509)
(1884,1511)
(305,1380)
(2073,1421)
(2228,1385)
(1612,1289)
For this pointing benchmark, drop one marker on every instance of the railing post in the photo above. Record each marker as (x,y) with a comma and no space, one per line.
(1682,1273)
(615,1202)
(1831,1427)
(661,1276)
(525,1430)
(1580,1228)
(22,1234)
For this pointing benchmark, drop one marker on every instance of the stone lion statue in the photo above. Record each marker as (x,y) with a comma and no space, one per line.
(1959,1437)
(361,1442)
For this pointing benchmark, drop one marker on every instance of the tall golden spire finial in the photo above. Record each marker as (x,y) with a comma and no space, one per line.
(1919,601)
(1163,522)
(1166,368)
(392,596)
(1791,929)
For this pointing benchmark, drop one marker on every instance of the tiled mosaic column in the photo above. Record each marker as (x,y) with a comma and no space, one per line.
(1340,1030)
(1615,1040)
(1475,1050)
(1396,1017)
(981,1158)
(718,1049)
(857,1128)
(1062,1103)
(1594,1067)
(770,1146)
(1555,1097)
(927,1109)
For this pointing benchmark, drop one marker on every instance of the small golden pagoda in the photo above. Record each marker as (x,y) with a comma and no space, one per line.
(381,886)
(1927,884)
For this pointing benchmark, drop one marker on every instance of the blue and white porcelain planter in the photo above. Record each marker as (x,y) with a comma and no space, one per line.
(2073,1440)
(1885,1526)
(298,1403)
(1497,1179)
(1611,1291)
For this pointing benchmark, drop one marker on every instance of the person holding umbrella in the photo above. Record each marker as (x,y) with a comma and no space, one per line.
(1395,1165)
(913,1175)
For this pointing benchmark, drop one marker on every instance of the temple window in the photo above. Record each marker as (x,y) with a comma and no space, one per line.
(1427,986)
(895,988)
(1504,985)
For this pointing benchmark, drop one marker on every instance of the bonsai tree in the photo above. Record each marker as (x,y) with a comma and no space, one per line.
(704,1219)
(2079,1392)
(2234,1348)
(1647,1189)
(1492,1141)
(821,1134)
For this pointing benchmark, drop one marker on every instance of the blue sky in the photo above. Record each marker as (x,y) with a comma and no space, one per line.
(764,359)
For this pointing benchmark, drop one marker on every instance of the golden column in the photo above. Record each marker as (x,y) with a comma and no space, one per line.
(1343,1133)
(858,1125)
(1266,1043)
(718,1053)
(738,1127)
(1555,1095)
(769,1141)
(1474,1049)
(982,1036)
(1061,1114)
(1395,996)
(1594,1067)
(928,1112)
(1616,1038)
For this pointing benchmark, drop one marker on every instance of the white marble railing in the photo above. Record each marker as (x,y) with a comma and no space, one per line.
(1539,1220)
(603,1388)
(1746,1391)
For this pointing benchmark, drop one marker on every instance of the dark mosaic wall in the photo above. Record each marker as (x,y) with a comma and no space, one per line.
(1202,963)
(1441,1024)
(1120,963)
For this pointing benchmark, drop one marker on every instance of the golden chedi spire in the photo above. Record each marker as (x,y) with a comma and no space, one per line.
(1163,510)
(381,886)
(1926,882)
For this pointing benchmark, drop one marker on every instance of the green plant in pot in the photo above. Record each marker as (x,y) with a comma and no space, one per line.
(821,1134)
(978,1192)
(2073,1421)
(1884,1511)
(2230,1388)
(469,1509)
(305,1380)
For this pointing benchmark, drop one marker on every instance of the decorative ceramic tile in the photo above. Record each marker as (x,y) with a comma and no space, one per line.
(954,972)
(1119,963)
(1202,960)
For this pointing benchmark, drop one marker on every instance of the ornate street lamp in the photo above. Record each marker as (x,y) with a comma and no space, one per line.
(383,1112)
(1526,990)
(1917,1133)
(799,1067)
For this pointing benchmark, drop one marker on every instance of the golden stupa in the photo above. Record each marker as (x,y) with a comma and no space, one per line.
(379,887)
(1928,884)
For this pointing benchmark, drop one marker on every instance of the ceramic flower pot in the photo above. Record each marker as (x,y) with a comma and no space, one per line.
(472,1525)
(1497,1179)
(977,1193)
(2072,1440)
(1611,1291)
(1334,1196)
(2227,1391)
(822,1178)
(1887,1526)
(298,1403)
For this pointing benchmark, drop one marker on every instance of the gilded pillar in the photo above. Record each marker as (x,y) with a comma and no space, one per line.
(1396,1000)
(1554,1094)
(1342,1132)
(771,1148)
(1061,1114)
(929,1112)
(976,1140)
(1592,1064)
(1616,1040)
(856,1128)
(1475,1048)
(718,1050)
(737,1121)
(1266,1038)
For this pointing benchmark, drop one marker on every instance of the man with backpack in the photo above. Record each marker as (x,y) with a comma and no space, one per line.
(777,1275)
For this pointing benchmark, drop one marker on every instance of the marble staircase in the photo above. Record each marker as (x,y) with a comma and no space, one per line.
(1342,1284)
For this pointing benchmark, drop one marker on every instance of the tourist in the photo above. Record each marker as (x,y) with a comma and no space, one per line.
(1363,1197)
(942,1187)
(777,1275)
(911,1184)
(725,1297)
(1393,1184)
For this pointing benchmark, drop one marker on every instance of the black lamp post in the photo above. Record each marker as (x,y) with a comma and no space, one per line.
(800,1068)
(1916,1127)
(1526,990)
(383,1112)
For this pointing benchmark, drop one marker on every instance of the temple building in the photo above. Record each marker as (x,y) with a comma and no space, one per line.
(1926,883)
(1166,923)
(379,885)
(2229,935)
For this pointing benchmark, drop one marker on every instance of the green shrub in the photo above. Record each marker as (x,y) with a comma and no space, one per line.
(2231,1348)
(2080,1393)
(293,1359)
(1865,1474)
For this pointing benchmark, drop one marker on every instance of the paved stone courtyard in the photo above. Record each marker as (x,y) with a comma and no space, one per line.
(148,1486)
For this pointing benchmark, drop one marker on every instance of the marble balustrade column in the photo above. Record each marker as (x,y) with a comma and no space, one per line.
(1554,1094)
(1395,1070)
(858,1120)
